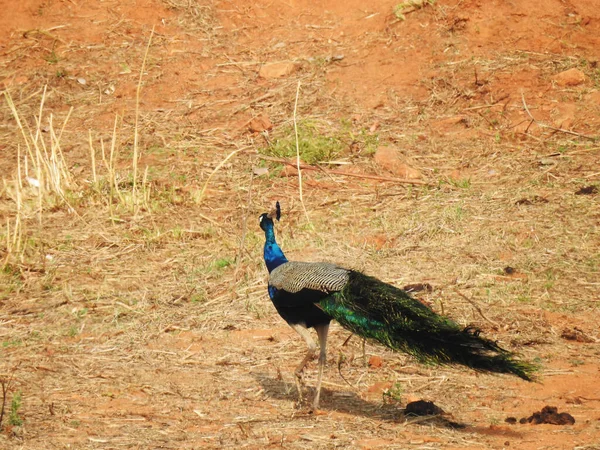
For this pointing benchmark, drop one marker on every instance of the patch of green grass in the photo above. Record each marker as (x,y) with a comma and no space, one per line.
(52,58)
(221,263)
(314,147)
(198,298)
(528,243)
(454,214)
(393,394)
(550,279)
(125,68)
(47,282)
(366,141)
(524,299)
(177,233)
(592,263)
(463,183)
(320,61)
(35,336)
(13,418)
(15,342)
(11,279)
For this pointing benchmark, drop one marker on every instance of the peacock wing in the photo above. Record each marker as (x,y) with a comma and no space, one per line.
(295,276)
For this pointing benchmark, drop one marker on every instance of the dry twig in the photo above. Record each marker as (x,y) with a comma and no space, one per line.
(346,174)
(477,308)
(298,165)
(137,117)
(561,130)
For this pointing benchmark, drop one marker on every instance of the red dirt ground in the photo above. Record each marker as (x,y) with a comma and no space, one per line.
(162,374)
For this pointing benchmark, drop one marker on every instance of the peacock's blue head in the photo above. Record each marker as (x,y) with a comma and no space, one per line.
(273,255)
(265,222)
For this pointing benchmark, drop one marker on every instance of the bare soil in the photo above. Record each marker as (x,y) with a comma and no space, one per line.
(139,318)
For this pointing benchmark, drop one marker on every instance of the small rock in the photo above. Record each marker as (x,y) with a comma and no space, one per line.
(292,171)
(375,361)
(571,77)
(565,115)
(259,124)
(575,334)
(510,273)
(388,158)
(511,420)
(550,415)
(547,162)
(534,199)
(379,387)
(259,171)
(376,240)
(459,175)
(450,123)
(277,70)
(509,270)
(593,97)
(33,182)
(587,190)
(524,201)
(418,287)
(423,408)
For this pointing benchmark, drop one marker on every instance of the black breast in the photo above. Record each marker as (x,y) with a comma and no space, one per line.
(300,307)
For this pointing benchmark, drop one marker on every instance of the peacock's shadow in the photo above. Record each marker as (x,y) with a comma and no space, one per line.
(348,403)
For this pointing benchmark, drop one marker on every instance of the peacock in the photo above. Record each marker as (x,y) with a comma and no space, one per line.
(310,294)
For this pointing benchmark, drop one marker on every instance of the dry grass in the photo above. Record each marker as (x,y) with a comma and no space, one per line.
(136,314)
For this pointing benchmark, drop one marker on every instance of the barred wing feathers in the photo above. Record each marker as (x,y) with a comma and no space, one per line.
(294,276)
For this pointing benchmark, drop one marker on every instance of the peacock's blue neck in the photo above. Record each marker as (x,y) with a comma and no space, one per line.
(273,255)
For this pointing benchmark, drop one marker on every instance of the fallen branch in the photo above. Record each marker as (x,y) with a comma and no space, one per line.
(339,172)
(561,130)
(46,33)
(476,306)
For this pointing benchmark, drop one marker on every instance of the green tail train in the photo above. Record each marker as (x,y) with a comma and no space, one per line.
(376,310)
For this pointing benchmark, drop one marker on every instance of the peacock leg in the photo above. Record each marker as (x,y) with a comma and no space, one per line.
(312,349)
(322,331)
